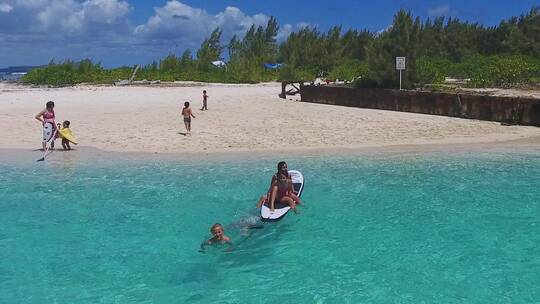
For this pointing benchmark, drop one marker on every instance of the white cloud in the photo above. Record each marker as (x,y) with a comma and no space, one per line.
(441,10)
(60,15)
(232,21)
(32,3)
(176,20)
(72,16)
(181,22)
(5,8)
(101,29)
(284,32)
(105,11)
(287,29)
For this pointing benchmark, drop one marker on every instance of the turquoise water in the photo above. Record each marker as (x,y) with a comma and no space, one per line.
(410,228)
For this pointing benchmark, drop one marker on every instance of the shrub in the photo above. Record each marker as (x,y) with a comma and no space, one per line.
(432,70)
(349,70)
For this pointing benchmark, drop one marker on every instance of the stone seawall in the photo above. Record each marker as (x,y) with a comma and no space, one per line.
(512,110)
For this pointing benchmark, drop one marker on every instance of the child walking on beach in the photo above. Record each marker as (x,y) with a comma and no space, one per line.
(187,114)
(204,101)
(66,132)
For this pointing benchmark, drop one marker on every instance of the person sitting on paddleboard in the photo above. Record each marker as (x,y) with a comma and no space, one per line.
(282,190)
(46,117)
(219,237)
(264,198)
(281,168)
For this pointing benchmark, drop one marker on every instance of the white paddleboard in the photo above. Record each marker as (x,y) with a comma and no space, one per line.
(280,210)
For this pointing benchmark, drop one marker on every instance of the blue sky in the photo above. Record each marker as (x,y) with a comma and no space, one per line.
(118,32)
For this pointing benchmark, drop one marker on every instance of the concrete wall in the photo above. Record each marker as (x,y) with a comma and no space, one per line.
(512,110)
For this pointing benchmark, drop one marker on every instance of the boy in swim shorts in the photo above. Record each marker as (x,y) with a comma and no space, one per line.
(187,114)
(204,101)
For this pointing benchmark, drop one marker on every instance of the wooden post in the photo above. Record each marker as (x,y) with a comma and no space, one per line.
(283,93)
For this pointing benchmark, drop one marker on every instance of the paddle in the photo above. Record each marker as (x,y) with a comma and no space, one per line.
(44,155)
(47,146)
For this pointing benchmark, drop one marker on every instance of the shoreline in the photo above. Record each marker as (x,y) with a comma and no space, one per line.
(87,154)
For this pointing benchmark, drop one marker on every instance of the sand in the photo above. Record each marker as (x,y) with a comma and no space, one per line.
(240,118)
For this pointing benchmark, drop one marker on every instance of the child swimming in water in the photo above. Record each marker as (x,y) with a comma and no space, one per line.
(219,237)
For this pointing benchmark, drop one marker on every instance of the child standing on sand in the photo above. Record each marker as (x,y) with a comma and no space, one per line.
(204,101)
(66,130)
(187,114)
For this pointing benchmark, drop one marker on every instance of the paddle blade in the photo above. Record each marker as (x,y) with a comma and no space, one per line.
(41,159)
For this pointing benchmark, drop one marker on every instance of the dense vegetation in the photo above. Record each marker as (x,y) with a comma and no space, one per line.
(503,56)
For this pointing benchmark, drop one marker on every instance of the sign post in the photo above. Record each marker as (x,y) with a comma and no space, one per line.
(400,65)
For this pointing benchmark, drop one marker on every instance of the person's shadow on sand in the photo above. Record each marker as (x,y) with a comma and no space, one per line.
(55,150)
(183,133)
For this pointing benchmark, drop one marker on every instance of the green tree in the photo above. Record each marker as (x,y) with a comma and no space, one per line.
(209,51)
(400,40)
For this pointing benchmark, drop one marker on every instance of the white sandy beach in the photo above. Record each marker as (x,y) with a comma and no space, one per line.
(240,118)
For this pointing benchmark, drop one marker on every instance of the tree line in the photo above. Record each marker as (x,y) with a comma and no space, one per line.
(505,55)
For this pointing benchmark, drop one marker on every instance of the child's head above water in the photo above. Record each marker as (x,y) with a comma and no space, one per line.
(217,231)
(218,237)
(66,123)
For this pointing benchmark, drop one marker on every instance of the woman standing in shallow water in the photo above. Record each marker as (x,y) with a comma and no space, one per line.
(47,116)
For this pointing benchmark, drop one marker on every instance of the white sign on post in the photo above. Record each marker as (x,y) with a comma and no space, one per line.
(400,65)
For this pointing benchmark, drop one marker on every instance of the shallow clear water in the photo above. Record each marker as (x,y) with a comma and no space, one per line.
(409,228)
